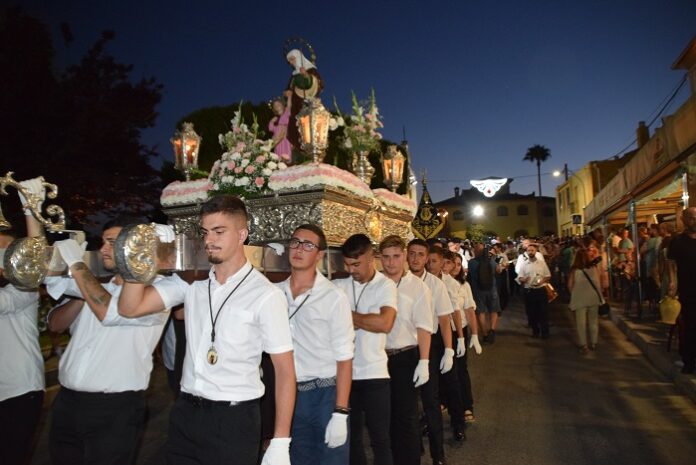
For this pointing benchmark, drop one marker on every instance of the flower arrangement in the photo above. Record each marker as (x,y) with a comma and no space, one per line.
(360,129)
(247,164)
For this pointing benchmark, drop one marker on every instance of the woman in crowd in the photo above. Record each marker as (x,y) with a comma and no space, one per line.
(585,283)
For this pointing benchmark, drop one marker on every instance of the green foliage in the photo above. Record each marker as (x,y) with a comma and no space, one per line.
(475,233)
(80,129)
(210,122)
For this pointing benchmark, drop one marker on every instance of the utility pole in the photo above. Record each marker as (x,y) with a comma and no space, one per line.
(565,170)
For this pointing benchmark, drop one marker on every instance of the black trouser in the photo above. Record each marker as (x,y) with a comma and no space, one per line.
(18,418)
(430,397)
(536,304)
(687,347)
(207,432)
(95,428)
(463,375)
(405,438)
(450,393)
(370,404)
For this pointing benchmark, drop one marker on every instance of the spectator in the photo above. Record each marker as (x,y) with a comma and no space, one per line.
(584,283)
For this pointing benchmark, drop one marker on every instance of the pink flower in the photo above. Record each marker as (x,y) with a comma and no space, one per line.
(259,181)
(249,169)
(240,147)
(238,170)
(231,165)
(260,159)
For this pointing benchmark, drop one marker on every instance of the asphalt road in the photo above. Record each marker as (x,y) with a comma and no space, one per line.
(537,402)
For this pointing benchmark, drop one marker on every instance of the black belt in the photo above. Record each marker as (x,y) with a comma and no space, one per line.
(391,352)
(203,402)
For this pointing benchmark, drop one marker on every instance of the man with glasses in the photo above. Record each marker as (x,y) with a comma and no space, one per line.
(372,297)
(322,334)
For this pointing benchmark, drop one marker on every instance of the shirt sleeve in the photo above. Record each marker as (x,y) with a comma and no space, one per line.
(453,294)
(172,290)
(13,300)
(468,297)
(57,286)
(272,315)
(341,327)
(423,310)
(112,318)
(388,294)
(441,301)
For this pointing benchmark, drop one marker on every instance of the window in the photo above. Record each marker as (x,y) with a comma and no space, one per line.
(458,215)
(502,211)
(522,210)
(547,212)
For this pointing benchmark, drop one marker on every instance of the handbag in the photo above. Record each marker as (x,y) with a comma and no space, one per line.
(603,306)
(551,293)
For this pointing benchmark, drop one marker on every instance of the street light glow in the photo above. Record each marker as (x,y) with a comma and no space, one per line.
(556,173)
(478,210)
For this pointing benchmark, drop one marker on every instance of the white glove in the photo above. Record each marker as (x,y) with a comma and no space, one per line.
(337,430)
(278,452)
(447,361)
(461,347)
(165,233)
(422,373)
(71,251)
(474,342)
(34,186)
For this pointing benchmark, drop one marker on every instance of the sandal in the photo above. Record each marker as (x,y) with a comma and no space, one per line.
(469,416)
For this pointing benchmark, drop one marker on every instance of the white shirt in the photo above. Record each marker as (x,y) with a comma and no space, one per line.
(442,305)
(21,363)
(370,360)
(524,258)
(112,355)
(322,328)
(530,269)
(252,321)
(415,311)
(454,290)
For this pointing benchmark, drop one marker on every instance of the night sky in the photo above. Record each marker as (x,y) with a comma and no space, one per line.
(475,83)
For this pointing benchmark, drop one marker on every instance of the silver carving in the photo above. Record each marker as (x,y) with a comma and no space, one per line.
(26,262)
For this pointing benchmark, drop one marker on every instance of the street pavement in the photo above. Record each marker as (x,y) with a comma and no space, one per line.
(536,402)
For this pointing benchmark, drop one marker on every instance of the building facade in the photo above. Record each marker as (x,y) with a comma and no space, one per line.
(505,214)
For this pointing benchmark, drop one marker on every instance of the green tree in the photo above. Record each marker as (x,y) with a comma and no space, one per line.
(79,128)
(538,154)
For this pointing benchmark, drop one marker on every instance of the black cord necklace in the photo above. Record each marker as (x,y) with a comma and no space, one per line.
(212,355)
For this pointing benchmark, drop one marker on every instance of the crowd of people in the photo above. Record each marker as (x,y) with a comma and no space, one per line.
(374,353)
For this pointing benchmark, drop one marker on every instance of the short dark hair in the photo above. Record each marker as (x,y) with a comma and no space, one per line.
(419,242)
(392,241)
(121,221)
(313,228)
(448,255)
(437,251)
(356,245)
(229,204)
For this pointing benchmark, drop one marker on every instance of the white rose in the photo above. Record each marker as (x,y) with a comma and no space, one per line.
(272,165)
(245,162)
(216,187)
(274,157)
(340,121)
(244,181)
(221,139)
(348,144)
(266,172)
(282,166)
(236,156)
(333,124)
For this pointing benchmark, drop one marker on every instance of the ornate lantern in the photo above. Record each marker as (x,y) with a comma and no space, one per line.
(393,167)
(313,123)
(186,144)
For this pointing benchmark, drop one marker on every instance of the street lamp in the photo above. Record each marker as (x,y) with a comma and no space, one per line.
(478,211)
(393,167)
(313,124)
(186,144)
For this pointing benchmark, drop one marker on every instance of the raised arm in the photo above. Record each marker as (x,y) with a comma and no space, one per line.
(138,300)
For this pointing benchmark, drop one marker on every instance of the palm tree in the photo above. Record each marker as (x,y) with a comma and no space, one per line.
(539,154)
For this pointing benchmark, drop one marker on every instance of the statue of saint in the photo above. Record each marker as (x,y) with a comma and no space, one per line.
(304,83)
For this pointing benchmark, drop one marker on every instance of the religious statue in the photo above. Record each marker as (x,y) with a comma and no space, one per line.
(279,128)
(305,82)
